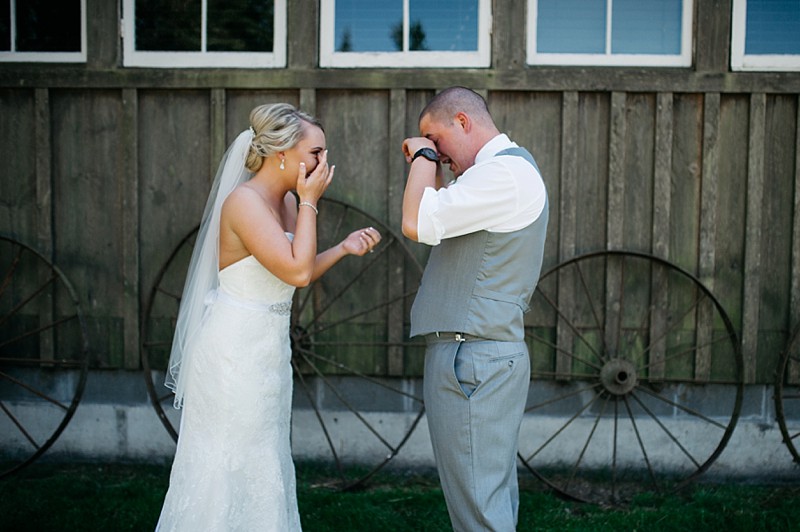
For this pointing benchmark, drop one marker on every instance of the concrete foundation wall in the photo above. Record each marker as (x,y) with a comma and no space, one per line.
(128,429)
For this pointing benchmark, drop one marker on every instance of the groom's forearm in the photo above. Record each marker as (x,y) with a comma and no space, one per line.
(421,175)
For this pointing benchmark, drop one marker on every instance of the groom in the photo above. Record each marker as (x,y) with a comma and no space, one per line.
(487,229)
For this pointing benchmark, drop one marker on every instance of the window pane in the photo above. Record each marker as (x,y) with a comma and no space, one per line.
(773,27)
(5,25)
(243,26)
(571,26)
(369,26)
(48,26)
(646,27)
(157,27)
(445,25)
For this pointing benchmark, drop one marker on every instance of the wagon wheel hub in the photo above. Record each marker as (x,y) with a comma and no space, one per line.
(618,376)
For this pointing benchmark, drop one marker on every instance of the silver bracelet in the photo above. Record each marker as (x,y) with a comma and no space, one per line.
(307,204)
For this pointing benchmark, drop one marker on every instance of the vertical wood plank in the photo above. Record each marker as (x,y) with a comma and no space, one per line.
(569,176)
(567,209)
(662,174)
(396,185)
(708,217)
(302,37)
(308,101)
(217,130)
(615,220)
(44,173)
(713,35)
(508,35)
(708,192)
(102,34)
(775,242)
(794,299)
(752,257)
(616,172)
(44,207)
(129,189)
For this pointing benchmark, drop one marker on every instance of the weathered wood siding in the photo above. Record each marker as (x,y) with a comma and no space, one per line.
(106,169)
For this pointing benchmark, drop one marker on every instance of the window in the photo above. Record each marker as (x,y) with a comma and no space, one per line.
(610,32)
(765,35)
(43,31)
(204,33)
(405,33)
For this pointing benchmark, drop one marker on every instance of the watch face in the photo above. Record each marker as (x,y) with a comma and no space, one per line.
(428,153)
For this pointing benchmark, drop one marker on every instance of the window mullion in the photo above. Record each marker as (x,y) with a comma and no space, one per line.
(13,25)
(609,18)
(406,25)
(203,25)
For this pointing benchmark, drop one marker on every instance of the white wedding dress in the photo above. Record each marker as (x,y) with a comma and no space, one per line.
(233,467)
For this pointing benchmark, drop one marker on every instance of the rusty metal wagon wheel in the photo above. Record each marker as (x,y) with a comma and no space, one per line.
(43,352)
(636,378)
(787,395)
(349,352)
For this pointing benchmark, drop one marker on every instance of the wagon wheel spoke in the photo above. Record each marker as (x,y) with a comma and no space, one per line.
(577,332)
(371,261)
(38,393)
(337,333)
(640,442)
(787,394)
(303,354)
(43,352)
(351,358)
(648,337)
(310,397)
(316,360)
(358,314)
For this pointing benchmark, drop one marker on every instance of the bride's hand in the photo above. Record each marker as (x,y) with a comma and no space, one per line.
(361,241)
(310,187)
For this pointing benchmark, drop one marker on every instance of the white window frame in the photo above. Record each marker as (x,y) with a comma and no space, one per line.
(684,59)
(202,59)
(44,57)
(754,62)
(330,58)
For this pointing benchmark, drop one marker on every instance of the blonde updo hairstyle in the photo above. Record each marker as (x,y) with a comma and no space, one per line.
(276,127)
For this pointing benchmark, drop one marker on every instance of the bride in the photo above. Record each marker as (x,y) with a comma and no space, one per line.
(230,360)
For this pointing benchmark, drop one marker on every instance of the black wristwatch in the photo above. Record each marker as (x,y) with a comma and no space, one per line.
(428,153)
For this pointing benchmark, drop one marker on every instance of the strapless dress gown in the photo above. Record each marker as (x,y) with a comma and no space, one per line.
(233,467)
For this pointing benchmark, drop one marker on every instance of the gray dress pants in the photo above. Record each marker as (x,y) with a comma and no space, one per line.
(475,393)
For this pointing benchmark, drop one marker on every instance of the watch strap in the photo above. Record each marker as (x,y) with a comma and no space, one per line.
(428,153)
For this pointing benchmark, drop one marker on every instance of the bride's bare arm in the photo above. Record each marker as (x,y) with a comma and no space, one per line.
(250,228)
(358,242)
(251,224)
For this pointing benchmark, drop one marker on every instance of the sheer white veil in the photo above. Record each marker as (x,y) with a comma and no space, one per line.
(203,274)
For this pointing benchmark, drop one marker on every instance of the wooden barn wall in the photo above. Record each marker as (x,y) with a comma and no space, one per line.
(106,170)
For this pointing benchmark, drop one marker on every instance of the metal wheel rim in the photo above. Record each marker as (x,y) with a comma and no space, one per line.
(787,393)
(609,385)
(59,332)
(310,364)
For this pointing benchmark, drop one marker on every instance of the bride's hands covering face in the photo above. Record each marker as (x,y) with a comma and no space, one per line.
(361,241)
(311,186)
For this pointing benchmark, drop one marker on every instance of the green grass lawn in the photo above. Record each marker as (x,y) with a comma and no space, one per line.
(93,497)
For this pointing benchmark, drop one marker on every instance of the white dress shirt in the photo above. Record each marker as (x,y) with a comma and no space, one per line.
(497,194)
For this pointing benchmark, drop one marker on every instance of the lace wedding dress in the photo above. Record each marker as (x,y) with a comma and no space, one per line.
(233,467)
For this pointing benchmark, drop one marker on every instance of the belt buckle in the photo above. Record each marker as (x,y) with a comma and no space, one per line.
(460,337)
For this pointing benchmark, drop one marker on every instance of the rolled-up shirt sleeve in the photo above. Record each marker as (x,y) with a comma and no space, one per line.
(494,196)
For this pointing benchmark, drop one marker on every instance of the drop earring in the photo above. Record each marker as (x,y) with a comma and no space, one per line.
(283,166)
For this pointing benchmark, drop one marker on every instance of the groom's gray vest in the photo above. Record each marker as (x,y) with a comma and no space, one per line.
(481,283)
